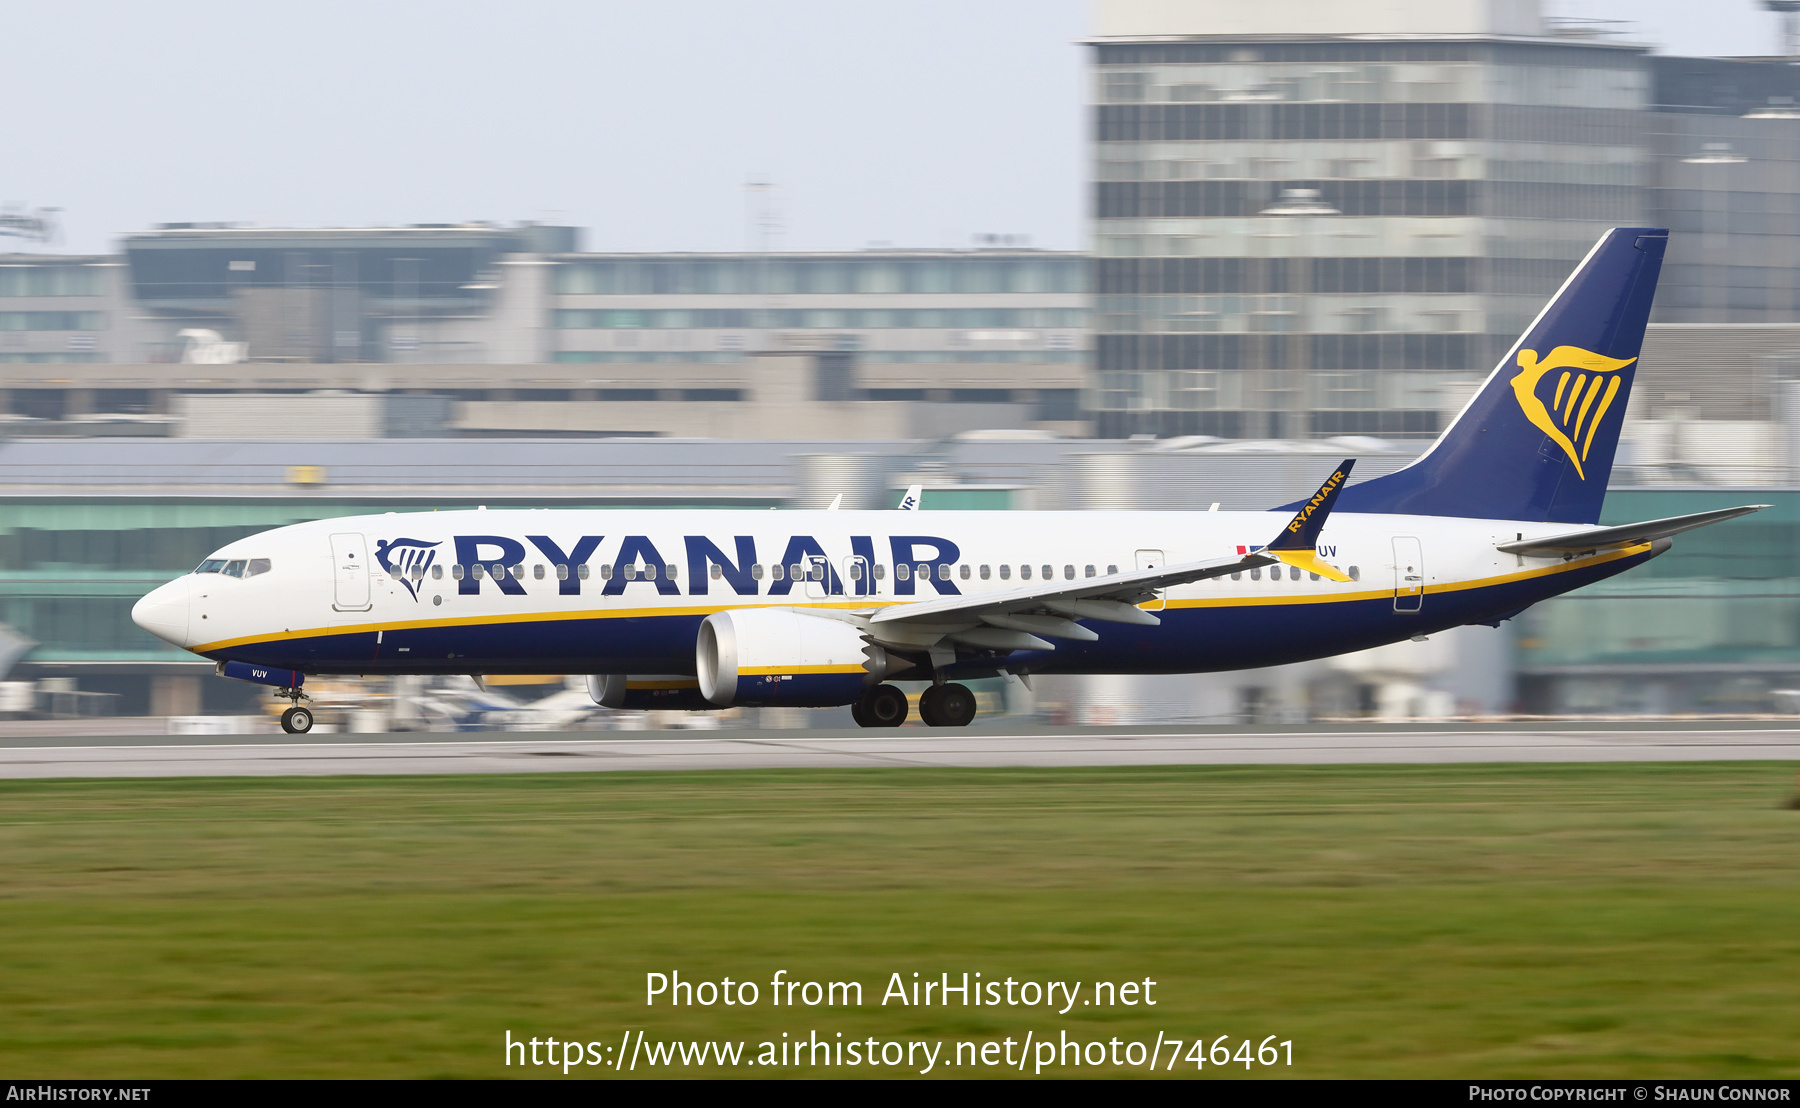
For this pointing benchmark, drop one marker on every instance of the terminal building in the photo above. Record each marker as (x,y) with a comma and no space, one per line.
(478,330)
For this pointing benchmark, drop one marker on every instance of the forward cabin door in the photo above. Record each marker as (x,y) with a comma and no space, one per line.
(1153,559)
(1409,574)
(350,568)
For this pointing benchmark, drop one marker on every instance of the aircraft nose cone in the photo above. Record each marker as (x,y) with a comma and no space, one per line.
(164,612)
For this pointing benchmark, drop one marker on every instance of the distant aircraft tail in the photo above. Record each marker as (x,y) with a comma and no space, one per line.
(1537,442)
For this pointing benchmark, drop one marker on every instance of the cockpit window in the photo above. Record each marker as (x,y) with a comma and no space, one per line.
(211,565)
(256,566)
(234,568)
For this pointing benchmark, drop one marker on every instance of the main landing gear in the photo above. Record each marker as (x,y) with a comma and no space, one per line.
(949,705)
(881,706)
(297,720)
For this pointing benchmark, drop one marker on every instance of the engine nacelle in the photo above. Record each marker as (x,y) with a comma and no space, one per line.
(768,656)
(648,692)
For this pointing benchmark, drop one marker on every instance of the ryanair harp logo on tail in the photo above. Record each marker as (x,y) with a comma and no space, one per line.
(1578,400)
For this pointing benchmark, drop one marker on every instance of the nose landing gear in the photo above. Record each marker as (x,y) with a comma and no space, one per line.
(297,720)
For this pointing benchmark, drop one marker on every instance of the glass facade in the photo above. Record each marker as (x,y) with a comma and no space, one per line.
(55,310)
(995,306)
(1725,140)
(1711,626)
(1304,239)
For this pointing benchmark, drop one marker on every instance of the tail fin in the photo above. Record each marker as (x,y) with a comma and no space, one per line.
(1537,442)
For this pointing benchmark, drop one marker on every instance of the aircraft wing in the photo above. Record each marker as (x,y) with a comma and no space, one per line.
(1026,618)
(1629,534)
(1016,619)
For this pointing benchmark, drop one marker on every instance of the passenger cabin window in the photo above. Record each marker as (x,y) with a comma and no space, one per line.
(716,572)
(671,571)
(258,566)
(1090,571)
(1068,573)
(437,573)
(1355,574)
(581,571)
(211,565)
(880,572)
(1005,573)
(537,573)
(984,573)
(1024,573)
(777,572)
(456,572)
(417,573)
(1110,570)
(756,572)
(234,568)
(1256,573)
(903,571)
(1049,572)
(562,572)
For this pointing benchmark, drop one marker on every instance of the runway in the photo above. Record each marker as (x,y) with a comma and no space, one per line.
(333,755)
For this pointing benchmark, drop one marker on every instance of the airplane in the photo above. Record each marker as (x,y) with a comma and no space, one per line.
(713,609)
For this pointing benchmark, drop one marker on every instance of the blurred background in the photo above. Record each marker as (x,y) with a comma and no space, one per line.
(1147,254)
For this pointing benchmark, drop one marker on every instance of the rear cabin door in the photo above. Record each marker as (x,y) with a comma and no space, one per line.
(1153,559)
(1409,574)
(350,562)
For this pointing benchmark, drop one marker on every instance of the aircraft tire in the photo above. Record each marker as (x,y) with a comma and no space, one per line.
(928,712)
(881,706)
(856,711)
(954,706)
(297,720)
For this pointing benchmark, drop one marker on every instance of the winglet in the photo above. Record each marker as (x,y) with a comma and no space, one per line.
(1297,544)
(910,502)
(1302,533)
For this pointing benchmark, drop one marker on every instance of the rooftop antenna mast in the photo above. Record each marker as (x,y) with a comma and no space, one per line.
(32,226)
(763,228)
(1789,11)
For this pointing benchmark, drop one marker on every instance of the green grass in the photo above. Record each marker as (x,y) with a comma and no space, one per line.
(1447,921)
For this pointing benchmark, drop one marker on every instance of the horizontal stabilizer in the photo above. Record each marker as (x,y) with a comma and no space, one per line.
(1629,534)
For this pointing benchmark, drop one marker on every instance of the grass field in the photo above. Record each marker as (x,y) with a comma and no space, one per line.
(1449,921)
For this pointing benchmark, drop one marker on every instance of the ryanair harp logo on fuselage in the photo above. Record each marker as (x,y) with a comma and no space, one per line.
(403,558)
(1586,388)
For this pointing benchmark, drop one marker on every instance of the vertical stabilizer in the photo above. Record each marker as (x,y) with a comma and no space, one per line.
(1537,442)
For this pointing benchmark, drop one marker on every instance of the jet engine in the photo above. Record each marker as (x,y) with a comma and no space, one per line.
(646,692)
(772,656)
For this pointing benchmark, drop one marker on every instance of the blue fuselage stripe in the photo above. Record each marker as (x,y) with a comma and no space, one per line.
(1193,639)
